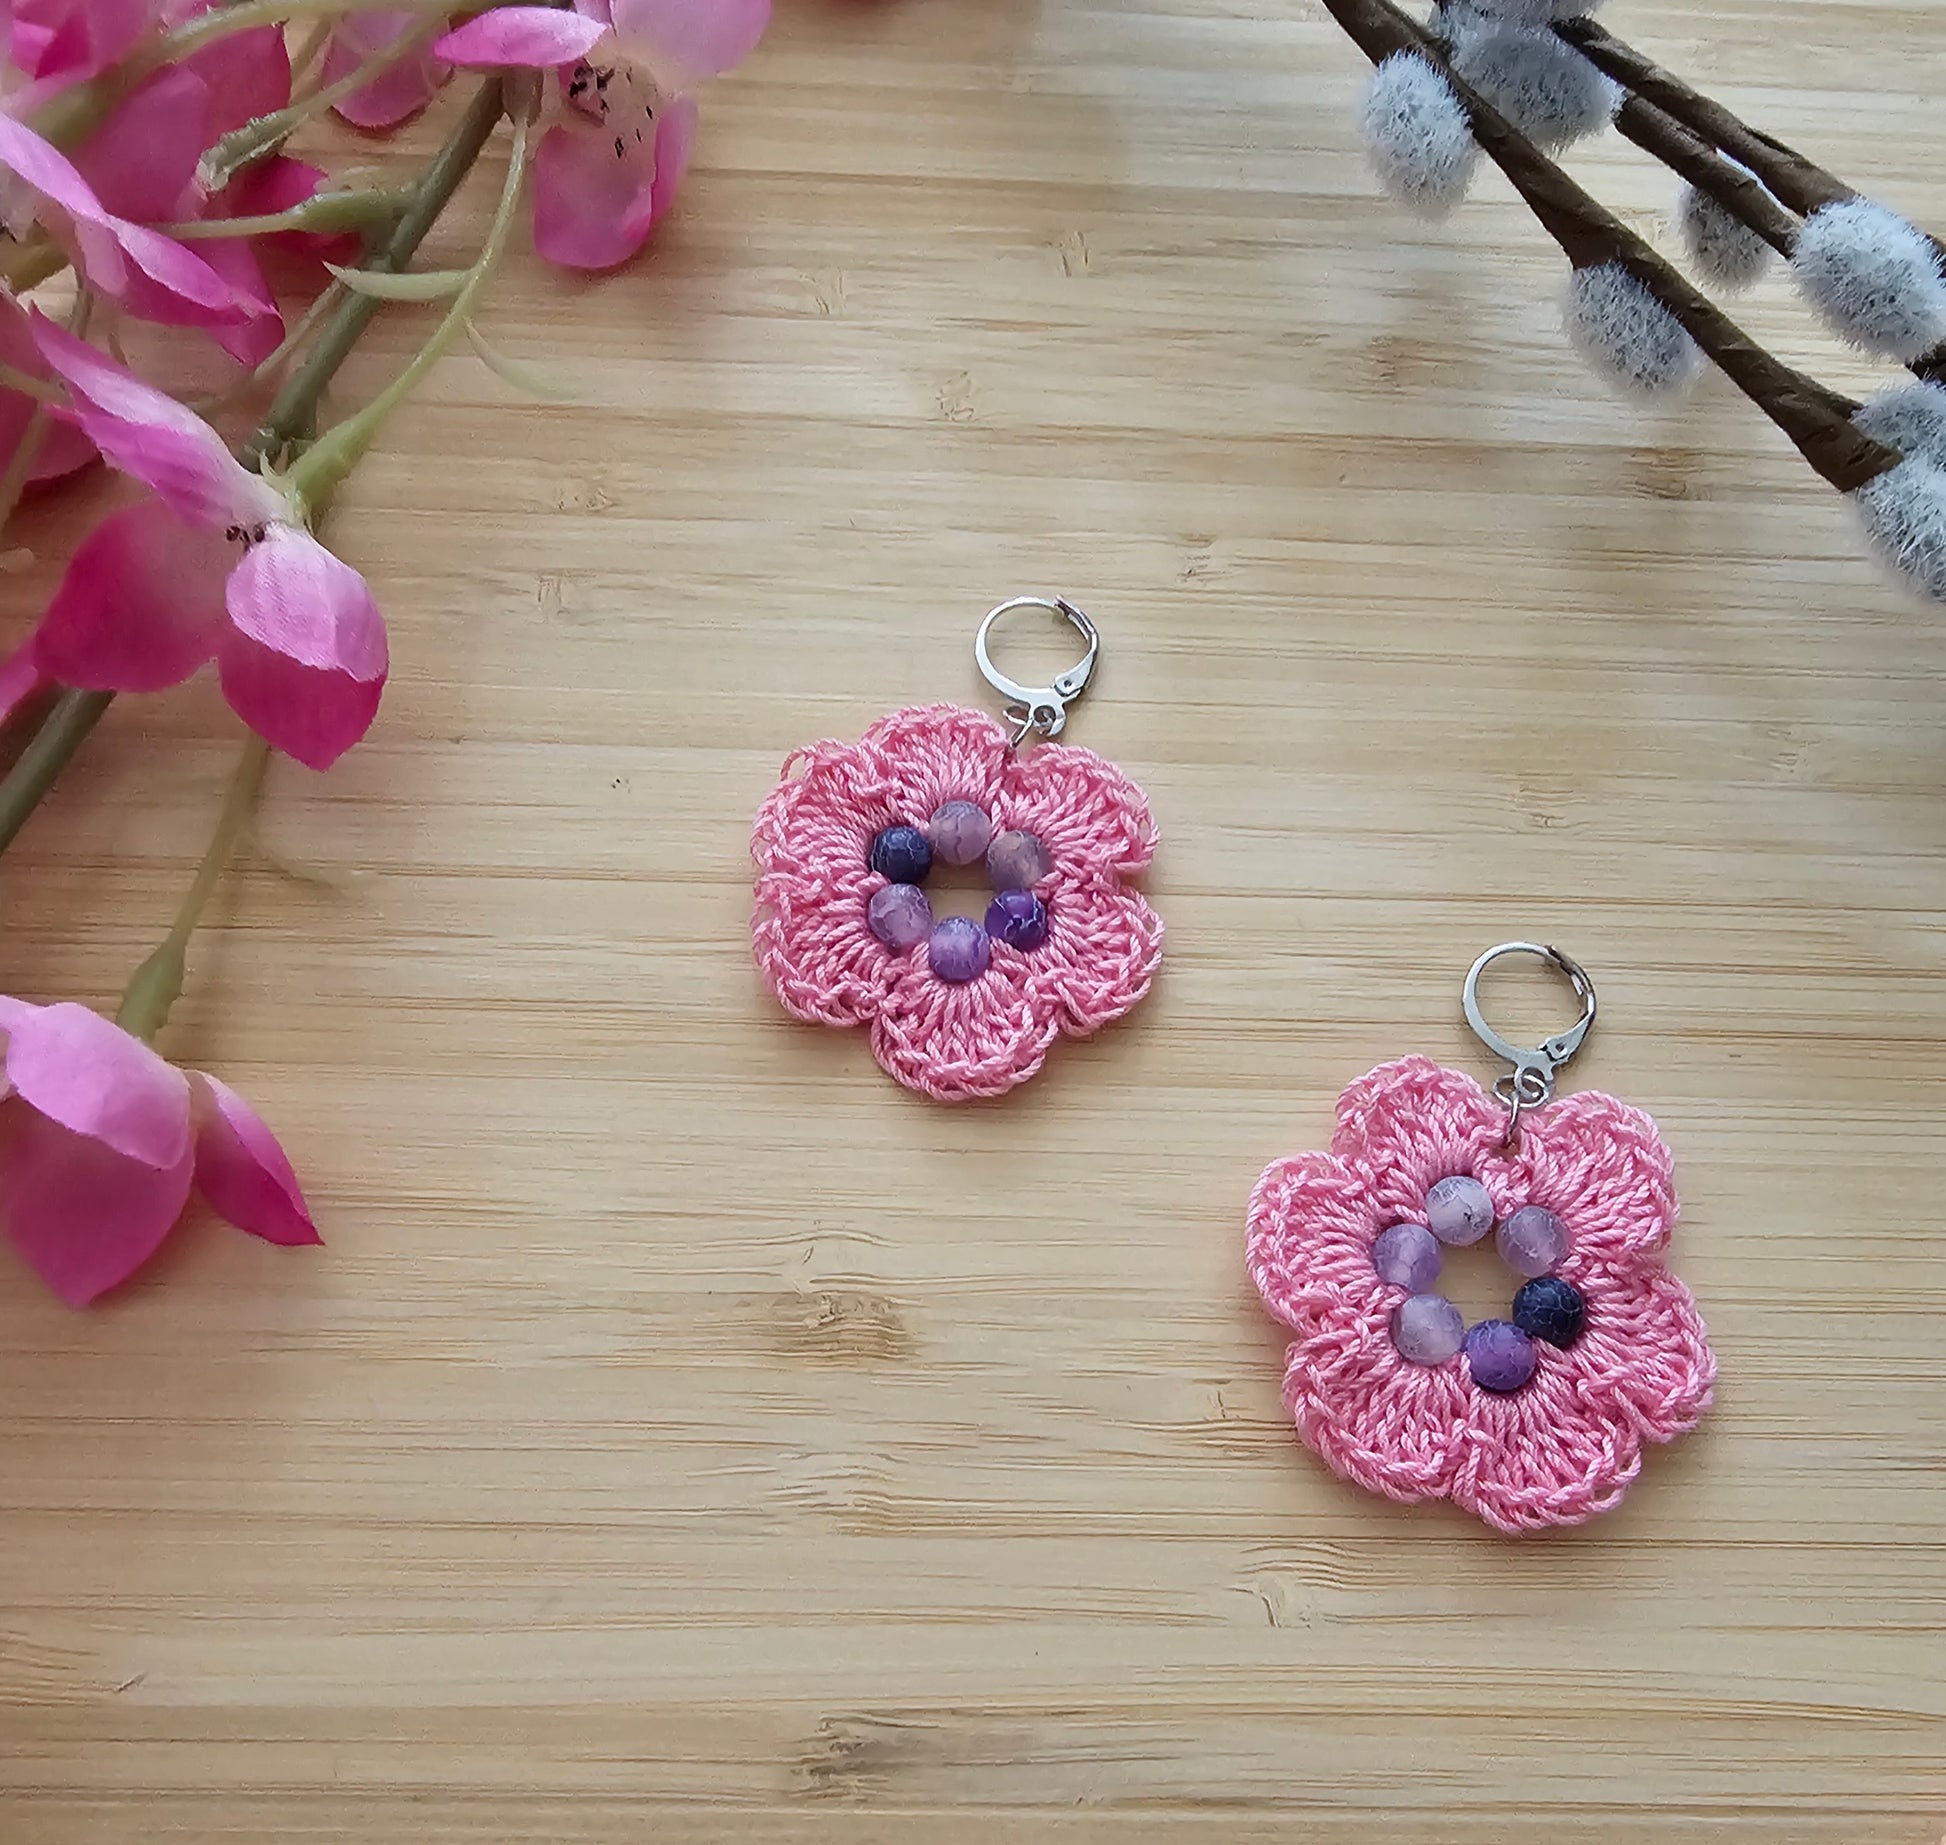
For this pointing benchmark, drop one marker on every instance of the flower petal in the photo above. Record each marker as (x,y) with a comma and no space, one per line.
(242,1170)
(687,41)
(1309,1243)
(312,715)
(278,184)
(20,679)
(296,598)
(922,757)
(148,435)
(594,193)
(675,140)
(84,1216)
(1083,808)
(140,607)
(538,37)
(1602,1167)
(1407,1124)
(402,89)
(85,1072)
(63,447)
(73,39)
(956,1041)
(141,162)
(1538,1458)
(1644,1358)
(1389,1426)
(248,74)
(260,332)
(1103,947)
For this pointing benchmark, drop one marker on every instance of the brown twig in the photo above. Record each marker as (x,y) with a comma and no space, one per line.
(1692,158)
(1800,184)
(1815,418)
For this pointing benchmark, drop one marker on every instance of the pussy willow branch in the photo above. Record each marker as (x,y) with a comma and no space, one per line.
(291,419)
(1801,184)
(1815,418)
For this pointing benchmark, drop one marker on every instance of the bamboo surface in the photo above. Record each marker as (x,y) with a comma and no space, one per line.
(687,1435)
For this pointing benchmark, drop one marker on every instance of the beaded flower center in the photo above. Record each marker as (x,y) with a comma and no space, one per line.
(1427,1329)
(958,949)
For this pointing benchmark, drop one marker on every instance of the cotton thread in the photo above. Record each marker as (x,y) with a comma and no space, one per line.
(1568,1444)
(953,1042)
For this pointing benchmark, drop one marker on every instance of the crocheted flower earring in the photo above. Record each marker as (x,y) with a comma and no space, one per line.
(843,928)
(1533,1420)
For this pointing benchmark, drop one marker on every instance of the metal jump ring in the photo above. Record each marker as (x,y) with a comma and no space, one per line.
(1039,708)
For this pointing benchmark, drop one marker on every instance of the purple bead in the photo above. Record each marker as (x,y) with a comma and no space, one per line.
(1500,1356)
(1458,1210)
(1532,1241)
(1407,1256)
(1427,1329)
(901,855)
(1018,918)
(1552,1309)
(960,832)
(899,915)
(958,950)
(1017,861)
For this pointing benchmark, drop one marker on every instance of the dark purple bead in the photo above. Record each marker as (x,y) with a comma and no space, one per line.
(1018,918)
(958,950)
(1500,1356)
(1551,1309)
(902,855)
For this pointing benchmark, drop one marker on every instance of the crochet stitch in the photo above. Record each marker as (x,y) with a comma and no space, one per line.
(812,845)
(1566,1445)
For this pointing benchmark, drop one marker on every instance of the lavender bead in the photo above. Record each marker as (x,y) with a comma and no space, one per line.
(1532,1241)
(958,950)
(1458,1210)
(899,915)
(960,832)
(1500,1356)
(902,855)
(1017,861)
(1018,918)
(1427,1329)
(1407,1256)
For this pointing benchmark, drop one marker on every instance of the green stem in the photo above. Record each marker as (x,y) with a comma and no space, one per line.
(316,474)
(206,28)
(75,713)
(323,212)
(157,983)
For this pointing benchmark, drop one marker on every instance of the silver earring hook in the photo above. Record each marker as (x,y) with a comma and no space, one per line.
(1530,1083)
(1042,708)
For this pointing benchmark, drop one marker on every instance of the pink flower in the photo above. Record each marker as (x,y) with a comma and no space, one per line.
(101,1142)
(1568,1443)
(625,118)
(59,42)
(63,447)
(402,89)
(159,588)
(813,842)
(151,275)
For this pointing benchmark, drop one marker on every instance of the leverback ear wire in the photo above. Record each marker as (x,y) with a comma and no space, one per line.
(1039,708)
(1530,1083)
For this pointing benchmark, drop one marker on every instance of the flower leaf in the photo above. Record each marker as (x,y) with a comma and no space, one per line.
(421,285)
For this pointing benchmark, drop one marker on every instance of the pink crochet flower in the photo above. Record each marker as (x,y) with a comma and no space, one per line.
(1567,1444)
(813,843)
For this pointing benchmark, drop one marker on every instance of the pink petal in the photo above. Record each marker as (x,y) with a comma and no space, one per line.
(311,715)
(147,434)
(242,1170)
(84,1216)
(1309,1243)
(929,754)
(141,605)
(1602,1167)
(956,1042)
(141,161)
(85,1072)
(20,679)
(152,275)
(1103,947)
(401,90)
(291,595)
(594,194)
(74,39)
(686,41)
(253,339)
(539,37)
(248,74)
(278,184)
(675,140)
(1540,1458)
(1408,1124)
(1087,813)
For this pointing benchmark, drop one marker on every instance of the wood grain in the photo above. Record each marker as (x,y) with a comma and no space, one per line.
(687,1435)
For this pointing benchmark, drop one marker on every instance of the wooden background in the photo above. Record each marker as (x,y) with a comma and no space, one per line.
(688,1435)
